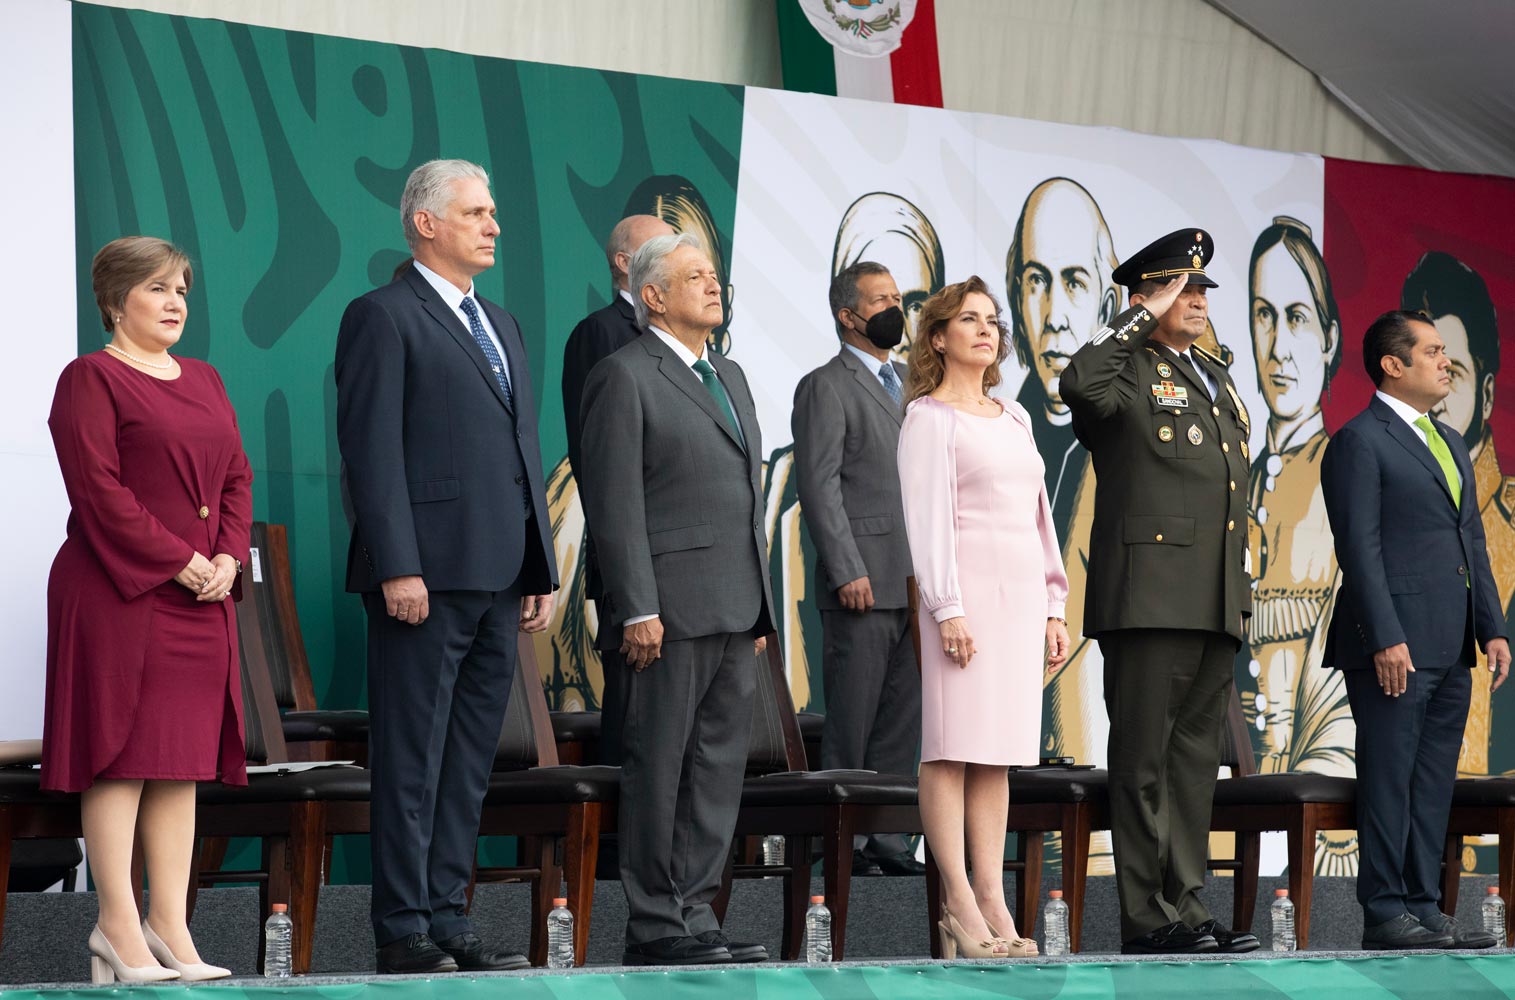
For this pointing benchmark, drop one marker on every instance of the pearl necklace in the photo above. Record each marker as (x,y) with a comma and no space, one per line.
(141,361)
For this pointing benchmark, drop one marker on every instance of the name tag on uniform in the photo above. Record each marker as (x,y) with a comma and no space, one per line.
(1168,394)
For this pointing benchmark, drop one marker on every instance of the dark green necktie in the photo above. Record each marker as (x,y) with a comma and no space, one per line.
(1443,456)
(718,393)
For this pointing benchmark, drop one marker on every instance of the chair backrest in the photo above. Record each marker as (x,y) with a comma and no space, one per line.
(270,571)
(1235,741)
(526,735)
(263,732)
(776,743)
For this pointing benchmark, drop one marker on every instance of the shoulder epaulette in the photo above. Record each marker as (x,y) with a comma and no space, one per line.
(1207,355)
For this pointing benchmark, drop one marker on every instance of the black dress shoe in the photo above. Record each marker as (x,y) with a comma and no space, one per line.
(1462,937)
(739,951)
(674,951)
(472,955)
(1174,939)
(864,866)
(1232,942)
(414,953)
(900,864)
(1401,933)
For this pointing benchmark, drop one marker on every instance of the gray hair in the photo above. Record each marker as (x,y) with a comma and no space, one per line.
(844,290)
(429,189)
(649,266)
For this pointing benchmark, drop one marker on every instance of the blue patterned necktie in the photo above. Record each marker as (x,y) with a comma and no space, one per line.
(891,383)
(476,327)
(492,355)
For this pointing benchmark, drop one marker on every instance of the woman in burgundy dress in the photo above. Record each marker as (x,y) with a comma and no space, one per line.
(143,695)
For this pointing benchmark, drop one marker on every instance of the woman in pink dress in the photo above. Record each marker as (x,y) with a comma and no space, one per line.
(989,573)
(143,695)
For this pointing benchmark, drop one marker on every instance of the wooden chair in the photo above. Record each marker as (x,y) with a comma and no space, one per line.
(1481,806)
(1299,803)
(1072,803)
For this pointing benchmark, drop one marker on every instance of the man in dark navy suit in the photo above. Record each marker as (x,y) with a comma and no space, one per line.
(598,336)
(451,550)
(1416,595)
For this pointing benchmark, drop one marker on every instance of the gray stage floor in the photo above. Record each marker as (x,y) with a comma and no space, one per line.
(45,932)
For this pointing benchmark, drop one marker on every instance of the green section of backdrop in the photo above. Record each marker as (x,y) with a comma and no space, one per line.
(277,158)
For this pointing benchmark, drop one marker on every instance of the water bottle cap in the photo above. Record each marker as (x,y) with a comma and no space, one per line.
(1492,890)
(817,899)
(280,907)
(559,901)
(1056,894)
(1281,893)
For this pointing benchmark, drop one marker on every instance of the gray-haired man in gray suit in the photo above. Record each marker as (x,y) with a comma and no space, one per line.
(846,423)
(673,496)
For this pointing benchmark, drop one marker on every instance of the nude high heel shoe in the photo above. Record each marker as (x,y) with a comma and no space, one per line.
(955,939)
(105,966)
(1019,947)
(189,972)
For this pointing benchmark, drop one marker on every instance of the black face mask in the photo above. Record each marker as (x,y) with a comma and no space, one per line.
(886,329)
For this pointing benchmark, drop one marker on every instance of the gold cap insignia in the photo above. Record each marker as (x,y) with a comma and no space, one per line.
(1197,260)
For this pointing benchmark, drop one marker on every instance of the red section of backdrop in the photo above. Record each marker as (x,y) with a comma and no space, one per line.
(914,66)
(1379,220)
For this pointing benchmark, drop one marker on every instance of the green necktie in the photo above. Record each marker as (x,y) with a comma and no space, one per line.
(718,393)
(1443,456)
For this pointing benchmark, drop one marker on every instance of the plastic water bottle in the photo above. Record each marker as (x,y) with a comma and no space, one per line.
(773,850)
(1055,925)
(1493,914)
(560,935)
(277,933)
(817,931)
(1282,911)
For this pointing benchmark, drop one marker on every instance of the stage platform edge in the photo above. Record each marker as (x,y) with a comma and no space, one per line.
(1343,976)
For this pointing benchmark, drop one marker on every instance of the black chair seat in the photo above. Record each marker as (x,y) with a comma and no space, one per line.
(23,786)
(342,726)
(552,785)
(829,788)
(575,727)
(1058,785)
(328,784)
(1494,791)
(1291,788)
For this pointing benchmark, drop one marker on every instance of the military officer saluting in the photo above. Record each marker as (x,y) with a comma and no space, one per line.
(1168,589)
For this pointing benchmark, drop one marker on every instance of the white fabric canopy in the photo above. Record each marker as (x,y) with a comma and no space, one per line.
(1436,79)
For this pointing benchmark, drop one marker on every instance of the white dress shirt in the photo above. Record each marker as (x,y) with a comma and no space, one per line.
(454,299)
(1210,385)
(1407,413)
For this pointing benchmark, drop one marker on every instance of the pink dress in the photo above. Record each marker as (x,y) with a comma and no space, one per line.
(982,541)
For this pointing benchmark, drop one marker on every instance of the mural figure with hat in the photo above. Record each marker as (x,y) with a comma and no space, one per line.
(1457,300)
(1168,591)
(1296,709)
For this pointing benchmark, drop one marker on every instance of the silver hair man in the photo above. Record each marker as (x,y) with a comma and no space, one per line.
(429,189)
(649,266)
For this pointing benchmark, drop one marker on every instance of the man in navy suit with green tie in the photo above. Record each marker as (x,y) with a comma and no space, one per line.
(1417,594)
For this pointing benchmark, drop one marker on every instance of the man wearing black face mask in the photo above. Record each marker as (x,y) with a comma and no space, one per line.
(846,424)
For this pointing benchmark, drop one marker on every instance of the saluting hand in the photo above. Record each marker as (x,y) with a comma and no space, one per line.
(957,641)
(1160,300)
(1498,651)
(1394,668)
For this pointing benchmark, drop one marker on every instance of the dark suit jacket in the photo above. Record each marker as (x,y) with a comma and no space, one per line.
(846,437)
(433,460)
(1413,566)
(674,501)
(1168,545)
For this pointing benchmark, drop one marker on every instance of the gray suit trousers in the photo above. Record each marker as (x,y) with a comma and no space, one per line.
(683,756)
(873,702)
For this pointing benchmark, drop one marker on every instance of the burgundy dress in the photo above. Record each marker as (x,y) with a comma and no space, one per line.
(142,679)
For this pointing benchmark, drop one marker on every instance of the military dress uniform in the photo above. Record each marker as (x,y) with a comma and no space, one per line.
(1168,592)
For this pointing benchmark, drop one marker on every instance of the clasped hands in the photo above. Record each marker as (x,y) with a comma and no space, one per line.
(1393,666)
(957,641)
(406,598)
(208,579)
